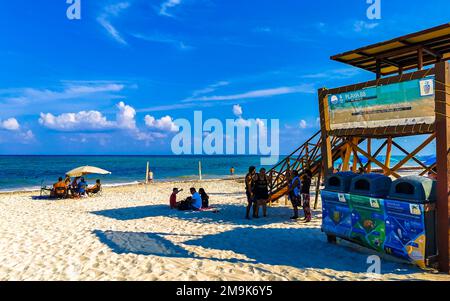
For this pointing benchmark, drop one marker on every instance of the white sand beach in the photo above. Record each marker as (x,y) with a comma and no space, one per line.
(129,233)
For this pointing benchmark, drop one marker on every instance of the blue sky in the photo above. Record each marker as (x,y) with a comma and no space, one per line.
(113,82)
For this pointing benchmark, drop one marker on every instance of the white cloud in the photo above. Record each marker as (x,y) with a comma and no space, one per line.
(70,91)
(303,124)
(81,121)
(10,124)
(304,88)
(125,116)
(164,39)
(341,73)
(209,89)
(166,5)
(165,124)
(360,26)
(237,110)
(105,20)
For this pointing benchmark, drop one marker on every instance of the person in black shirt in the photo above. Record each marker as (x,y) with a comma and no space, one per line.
(306,185)
(205,198)
(248,191)
(261,192)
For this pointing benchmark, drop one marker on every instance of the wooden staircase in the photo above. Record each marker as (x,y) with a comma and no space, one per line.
(307,156)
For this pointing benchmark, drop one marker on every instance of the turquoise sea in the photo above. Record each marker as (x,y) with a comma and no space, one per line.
(30,172)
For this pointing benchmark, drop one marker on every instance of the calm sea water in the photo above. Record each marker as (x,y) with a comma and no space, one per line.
(30,172)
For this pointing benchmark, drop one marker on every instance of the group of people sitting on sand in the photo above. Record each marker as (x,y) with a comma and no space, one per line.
(257,191)
(196,202)
(76,188)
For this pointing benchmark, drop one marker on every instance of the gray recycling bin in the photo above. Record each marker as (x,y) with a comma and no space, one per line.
(411,219)
(336,214)
(367,193)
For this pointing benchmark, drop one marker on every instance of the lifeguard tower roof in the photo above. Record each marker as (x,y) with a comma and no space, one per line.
(413,51)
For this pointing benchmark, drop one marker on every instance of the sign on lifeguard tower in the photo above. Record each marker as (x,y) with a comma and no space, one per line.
(405,103)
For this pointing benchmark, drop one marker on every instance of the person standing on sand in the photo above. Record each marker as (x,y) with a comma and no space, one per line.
(150,176)
(295,187)
(248,191)
(306,185)
(232,171)
(261,192)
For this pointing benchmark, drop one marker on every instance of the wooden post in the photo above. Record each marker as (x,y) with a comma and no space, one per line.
(319,178)
(387,162)
(378,71)
(369,151)
(346,161)
(146,172)
(200,170)
(327,158)
(443,162)
(420,59)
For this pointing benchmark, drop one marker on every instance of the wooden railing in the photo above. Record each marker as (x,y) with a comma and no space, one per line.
(307,156)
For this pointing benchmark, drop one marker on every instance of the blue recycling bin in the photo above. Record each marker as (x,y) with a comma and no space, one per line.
(367,193)
(410,219)
(336,214)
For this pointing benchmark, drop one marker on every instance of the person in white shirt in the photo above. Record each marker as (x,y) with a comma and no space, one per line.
(196,199)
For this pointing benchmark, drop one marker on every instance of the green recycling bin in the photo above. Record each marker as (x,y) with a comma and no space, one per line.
(410,219)
(367,193)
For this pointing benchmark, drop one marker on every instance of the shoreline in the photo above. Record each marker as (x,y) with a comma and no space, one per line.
(130,184)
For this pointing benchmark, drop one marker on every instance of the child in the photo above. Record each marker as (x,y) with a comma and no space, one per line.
(173,198)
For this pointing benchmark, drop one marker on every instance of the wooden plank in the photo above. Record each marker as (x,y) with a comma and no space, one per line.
(327,159)
(443,163)
(414,152)
(382,81)
(388,152)
(386,170)
(382,132)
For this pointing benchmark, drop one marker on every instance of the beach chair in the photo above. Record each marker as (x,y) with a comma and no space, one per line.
(96,191)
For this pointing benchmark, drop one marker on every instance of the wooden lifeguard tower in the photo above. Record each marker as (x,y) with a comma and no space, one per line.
(352,133)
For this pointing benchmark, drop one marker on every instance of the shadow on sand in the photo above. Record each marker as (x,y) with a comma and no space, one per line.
(302,248)
(228,214)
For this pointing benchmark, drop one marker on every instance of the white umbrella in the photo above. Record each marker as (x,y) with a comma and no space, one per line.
(87,170)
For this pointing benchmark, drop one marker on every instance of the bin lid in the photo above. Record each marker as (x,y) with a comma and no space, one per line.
(371,184)
(414,188)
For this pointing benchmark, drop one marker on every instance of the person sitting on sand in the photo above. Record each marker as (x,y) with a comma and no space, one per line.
(205,198)
(74,186)
(173,198)
(67,180)
(58,187)
(82,187)
(94,189)
(196,199)
(261,192)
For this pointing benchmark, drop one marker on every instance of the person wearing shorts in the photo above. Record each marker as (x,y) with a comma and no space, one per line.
(294,193)
(306,185)
(248,191)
